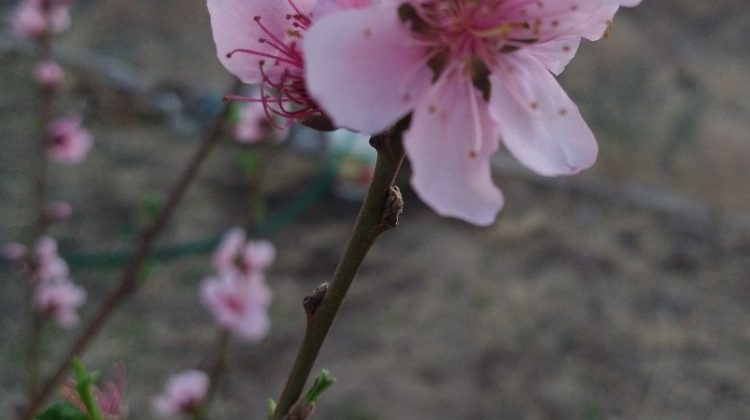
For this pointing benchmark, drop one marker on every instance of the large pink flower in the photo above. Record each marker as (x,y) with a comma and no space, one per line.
(473,72)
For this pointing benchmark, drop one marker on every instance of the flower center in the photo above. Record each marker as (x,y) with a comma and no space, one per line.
(470,33)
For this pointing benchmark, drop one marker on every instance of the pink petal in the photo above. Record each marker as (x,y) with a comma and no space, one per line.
(439,144)
(362,69)
(538,122)
(555,55)
(234,27)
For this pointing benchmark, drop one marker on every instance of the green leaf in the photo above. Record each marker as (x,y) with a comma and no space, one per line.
(249,162)
(85,388)
(152,205)
(271,407)
(62,411)
(235,113)
(321,384)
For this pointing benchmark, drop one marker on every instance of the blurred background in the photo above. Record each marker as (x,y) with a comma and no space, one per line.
(621,293)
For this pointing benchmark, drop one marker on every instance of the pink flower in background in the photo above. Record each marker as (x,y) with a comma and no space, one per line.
(43,265)
(48,74)
(473,73)
(236,253)
(253,125)
(183,393)
(14,252)
(110,399)
(59,211)
(59,299)
(48,266)
(239,303)
(34,18)
(69,143)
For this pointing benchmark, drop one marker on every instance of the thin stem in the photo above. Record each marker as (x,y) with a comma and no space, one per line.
(39,223)
(366,229)
(218,367)
(129,278)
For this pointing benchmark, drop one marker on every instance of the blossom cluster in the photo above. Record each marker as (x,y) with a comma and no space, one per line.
(237,294)
(474,75)
(37,18)
(55,294)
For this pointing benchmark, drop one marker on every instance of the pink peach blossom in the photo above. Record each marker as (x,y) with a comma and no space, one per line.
(473,73)
(183,393)
(14,252)
(69,143)
(47,265)
(34,18)
(109,398)
(42,265)
(236,253)
(59,211)
(254,125)
(59,299)
(239,303)
(48,74)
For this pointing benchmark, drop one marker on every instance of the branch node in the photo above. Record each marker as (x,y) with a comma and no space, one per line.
(313,301)
(394,206)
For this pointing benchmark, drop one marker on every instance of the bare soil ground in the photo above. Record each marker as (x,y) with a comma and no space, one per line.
(585,301)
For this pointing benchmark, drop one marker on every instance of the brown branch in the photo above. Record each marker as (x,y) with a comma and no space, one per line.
(377,214)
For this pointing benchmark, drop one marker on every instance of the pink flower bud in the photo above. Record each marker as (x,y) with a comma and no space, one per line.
(69,143)
(49,74)
(14,252)
(59,211)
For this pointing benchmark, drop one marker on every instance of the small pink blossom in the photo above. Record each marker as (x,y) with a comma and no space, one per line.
(239,303)
(253,125)
(109,399)
(471,73)
(59,299)
(69,143)
(35,18)
(49,74)
(183,393)
(59,211)
(236,253)
(47,265)
(14,252)
(42,265)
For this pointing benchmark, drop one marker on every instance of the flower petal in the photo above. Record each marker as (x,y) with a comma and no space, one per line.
(450,123)
(555,55)
(538,122)
(234,27)
(362,69)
